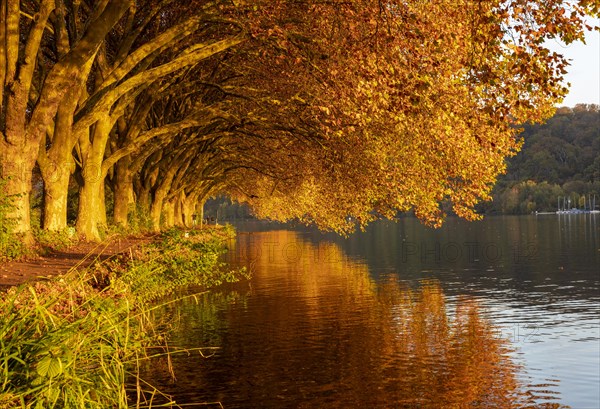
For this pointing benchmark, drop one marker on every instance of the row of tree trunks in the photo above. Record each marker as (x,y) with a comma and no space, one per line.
(46,64)
(25,127)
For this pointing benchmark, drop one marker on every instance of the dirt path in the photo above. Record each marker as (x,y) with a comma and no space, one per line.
(77,257)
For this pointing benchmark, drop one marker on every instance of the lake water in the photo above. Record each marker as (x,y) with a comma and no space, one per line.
(499,313)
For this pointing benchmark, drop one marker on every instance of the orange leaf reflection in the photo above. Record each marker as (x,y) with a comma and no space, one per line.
(314,329)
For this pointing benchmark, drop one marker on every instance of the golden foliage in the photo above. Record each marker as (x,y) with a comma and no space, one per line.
(335,112)
(399,106)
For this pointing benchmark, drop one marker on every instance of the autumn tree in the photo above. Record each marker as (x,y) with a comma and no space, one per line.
(408,104)
(334,112)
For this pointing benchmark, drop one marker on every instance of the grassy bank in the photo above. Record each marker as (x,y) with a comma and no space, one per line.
(76,341)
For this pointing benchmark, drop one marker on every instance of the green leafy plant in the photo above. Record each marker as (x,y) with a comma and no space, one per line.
(181,258)
(54,240)
(10,245)
(139,220)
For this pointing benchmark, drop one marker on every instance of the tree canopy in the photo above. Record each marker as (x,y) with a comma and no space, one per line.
(329,112)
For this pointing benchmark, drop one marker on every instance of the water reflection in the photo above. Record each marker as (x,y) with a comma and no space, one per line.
(313,329)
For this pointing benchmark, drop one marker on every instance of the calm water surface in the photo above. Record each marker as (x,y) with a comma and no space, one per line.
(499,313)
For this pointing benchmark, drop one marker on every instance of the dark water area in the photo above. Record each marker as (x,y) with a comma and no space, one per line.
(501,313)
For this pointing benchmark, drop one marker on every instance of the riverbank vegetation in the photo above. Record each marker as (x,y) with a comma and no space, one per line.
(75,341)
(335,112)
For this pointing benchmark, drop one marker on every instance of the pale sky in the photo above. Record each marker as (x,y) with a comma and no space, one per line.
(584,71)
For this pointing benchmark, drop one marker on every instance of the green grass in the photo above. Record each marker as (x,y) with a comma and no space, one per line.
(76,341)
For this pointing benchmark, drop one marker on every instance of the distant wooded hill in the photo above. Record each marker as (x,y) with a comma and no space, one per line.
(559,158)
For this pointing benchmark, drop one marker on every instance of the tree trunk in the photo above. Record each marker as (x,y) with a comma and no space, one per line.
(123,191)
(160,194)
(169,213)
(16,165)
(144,203)
(156,209)
(200,211)
(91,193)
(88,215)
(92,209)
(56,190)
(188,208)
(102,203)
(143,187)
(178,211)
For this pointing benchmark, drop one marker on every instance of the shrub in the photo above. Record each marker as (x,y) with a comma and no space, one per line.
(138,219)
(10,245)
(55,240)
(181,258)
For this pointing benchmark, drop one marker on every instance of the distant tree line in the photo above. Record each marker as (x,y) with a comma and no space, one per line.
(560,158)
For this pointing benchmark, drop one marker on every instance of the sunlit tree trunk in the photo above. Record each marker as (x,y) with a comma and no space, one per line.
(91,211)
(155,213)
(102,221)
(19,142)
(88,215)
(56,190)
(200,211)
(17,163)
(144,202)
(178,211)
(156,208)
(123,192)
(168,212)
(188,209)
